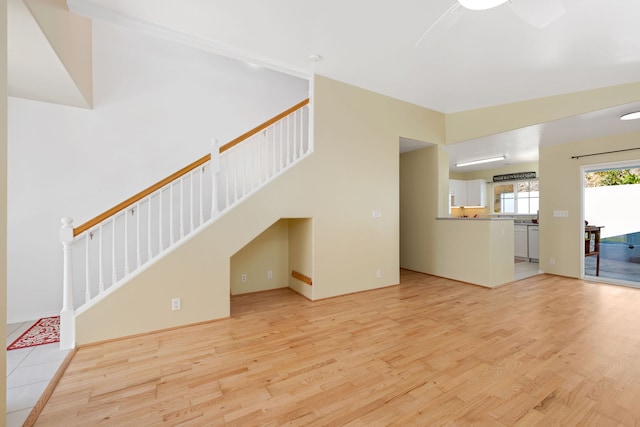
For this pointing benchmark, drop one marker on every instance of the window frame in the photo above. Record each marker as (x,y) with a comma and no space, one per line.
(516,197)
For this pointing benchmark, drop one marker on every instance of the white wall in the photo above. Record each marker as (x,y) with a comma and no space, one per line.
(156,107)
(615,207)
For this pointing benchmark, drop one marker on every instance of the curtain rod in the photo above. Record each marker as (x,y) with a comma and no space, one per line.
(605,152)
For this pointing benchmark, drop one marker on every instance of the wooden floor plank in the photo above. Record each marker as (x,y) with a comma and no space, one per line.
(545,351)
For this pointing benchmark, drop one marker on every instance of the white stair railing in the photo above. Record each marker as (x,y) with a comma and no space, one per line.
(102,256)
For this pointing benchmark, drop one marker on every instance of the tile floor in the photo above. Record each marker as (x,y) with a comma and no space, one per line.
(29,371)
(526,269)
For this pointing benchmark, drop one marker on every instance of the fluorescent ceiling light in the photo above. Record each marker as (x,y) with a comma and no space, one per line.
(630,116)
(477,162)
(480,4)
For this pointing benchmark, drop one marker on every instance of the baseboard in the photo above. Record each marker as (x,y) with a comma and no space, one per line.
(143,334)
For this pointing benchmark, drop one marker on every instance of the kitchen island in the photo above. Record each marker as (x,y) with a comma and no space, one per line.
(476,250)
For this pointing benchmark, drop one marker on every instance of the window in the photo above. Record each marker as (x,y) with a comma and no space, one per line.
(516,197)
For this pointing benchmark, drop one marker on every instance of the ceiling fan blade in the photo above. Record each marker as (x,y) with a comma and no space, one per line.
(445,21)
(538,13)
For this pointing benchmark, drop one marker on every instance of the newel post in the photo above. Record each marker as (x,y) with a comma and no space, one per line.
(67,320)
(215,174)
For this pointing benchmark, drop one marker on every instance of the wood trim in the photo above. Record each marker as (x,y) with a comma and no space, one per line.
(141,195)
(301,294)
(460,281)
(263,126)
(158,331)
(301,277)
(259,292)
(44,398)
(364,291)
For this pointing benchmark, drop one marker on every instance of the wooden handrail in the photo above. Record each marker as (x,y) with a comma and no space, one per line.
(141,195)
(144,193)
(263,126)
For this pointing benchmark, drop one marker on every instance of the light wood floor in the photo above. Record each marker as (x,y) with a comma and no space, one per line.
(544,351)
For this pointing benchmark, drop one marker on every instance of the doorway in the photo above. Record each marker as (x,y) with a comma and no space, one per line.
(611,229)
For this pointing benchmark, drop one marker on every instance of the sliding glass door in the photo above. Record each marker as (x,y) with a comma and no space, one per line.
(611,208)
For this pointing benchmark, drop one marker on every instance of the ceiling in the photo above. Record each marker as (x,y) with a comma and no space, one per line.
(521,145)
(467,61)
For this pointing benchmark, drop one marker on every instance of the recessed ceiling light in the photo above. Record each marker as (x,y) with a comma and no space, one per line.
(480,4)
(630,116)
(477,162)
(314,57)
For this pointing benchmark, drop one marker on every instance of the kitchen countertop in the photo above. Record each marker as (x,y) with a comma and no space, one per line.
(474,219)
(515,220)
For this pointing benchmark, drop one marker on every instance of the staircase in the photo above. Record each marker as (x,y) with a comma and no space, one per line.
(104,253)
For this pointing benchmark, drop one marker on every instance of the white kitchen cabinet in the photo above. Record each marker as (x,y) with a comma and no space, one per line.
(476,192)
(468,193)
(458,192)
(533,241)
(521,244)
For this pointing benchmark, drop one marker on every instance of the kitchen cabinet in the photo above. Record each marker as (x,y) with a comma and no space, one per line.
(476,192)
(458,192)
(468,193)
(521,245)
(533,241)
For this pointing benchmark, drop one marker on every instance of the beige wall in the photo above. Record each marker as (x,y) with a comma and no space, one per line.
(353,171)
(472,124)
(421,174)
(70,36)
(49,53)
(285,246)
(476,251)
(357,155)
(267,252)
(3,201)
(560,187)
(301,254)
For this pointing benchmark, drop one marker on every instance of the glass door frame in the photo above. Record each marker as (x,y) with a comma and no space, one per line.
(627,164)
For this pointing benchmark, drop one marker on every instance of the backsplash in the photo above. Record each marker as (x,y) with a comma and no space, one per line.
(469,212)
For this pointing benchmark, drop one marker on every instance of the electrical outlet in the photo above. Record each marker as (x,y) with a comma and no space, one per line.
(269,274)
(552,261)
(175,304)
(378,273)
(243,278)
(376,213)
(561,214)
